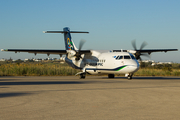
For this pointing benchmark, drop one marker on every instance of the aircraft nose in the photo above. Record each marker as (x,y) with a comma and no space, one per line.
(135,66)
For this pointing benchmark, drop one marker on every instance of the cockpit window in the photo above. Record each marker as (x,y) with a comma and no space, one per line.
(119,57)
(127,57)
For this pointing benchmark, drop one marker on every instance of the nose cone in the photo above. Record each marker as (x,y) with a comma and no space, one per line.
(134,69)
(136,65)
(133,66)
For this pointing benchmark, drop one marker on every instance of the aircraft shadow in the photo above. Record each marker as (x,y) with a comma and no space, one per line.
(40,83)
(150,78)
(58,82)
(2,95)
(8,79)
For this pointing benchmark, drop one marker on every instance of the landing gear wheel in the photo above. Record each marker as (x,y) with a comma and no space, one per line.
(129,77)
(82,76)
(110,75)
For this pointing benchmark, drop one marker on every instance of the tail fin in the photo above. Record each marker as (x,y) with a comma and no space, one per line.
(69,44)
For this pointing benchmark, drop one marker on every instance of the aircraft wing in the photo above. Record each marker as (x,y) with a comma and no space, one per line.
(138,53)
(43,51)
(149,51)
(37,51)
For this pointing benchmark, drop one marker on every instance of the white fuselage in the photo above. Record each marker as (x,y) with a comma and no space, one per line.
(105,63)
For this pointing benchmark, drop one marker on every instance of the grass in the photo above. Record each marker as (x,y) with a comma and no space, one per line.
(157,72)
(57,69)
(36,69)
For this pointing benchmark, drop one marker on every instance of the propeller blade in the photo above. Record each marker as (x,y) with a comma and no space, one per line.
(140,59)
(78,53)
(138,52)
(134,44)
(143,45)
(81,44)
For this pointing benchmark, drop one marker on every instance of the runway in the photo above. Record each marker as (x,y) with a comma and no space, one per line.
(93,98)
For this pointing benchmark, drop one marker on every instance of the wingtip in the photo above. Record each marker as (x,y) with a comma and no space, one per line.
(44,31)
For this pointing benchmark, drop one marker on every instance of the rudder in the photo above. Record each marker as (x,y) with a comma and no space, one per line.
(69,45)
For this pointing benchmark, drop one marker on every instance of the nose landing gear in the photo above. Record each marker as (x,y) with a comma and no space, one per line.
(129,76)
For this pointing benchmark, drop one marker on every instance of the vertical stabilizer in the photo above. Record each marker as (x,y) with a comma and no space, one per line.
(69,45)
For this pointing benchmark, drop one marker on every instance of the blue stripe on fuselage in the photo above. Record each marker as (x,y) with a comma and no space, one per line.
(115,69)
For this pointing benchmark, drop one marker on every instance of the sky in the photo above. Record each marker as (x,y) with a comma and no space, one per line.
(112,24)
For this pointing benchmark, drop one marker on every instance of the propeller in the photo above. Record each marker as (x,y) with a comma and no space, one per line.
(78,52)
(138,52)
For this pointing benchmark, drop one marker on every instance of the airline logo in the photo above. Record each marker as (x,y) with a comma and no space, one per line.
(70,44)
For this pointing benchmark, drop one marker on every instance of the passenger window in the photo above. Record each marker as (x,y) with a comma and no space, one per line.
(127,57)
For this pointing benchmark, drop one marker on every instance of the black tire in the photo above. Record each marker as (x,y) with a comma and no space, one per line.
(82,76)
(129,77)
(110,75)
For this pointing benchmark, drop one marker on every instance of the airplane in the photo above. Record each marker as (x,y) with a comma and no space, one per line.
(94,62)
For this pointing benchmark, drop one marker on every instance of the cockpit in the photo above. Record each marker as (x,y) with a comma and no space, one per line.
(130,56)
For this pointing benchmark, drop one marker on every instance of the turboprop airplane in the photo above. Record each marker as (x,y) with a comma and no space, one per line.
(94,62)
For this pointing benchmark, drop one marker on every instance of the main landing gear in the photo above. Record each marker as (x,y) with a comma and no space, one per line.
(129,76)
(82,76)
(110,75)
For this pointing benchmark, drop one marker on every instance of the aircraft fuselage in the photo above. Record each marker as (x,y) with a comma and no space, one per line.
(106,63)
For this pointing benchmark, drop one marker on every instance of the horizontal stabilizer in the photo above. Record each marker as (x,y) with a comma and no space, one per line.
(54,32)
(64,32)
(78,32)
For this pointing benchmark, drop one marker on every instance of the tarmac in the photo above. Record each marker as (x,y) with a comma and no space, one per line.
(93,98)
